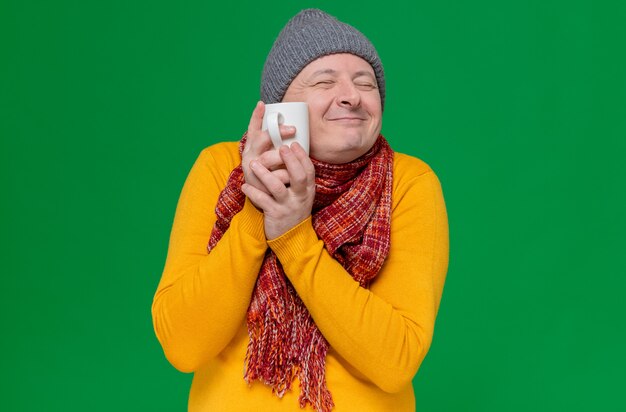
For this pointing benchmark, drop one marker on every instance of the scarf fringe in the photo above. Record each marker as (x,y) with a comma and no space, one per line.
(270,326)
(313,388)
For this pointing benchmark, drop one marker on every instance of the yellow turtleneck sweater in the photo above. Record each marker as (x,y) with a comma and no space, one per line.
(378,336)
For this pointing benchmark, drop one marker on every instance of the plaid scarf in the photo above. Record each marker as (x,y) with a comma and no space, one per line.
(351,215)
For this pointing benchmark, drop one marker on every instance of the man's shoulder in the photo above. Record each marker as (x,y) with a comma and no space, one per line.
(224,154)
(407,166)
(414,178)
(221,150)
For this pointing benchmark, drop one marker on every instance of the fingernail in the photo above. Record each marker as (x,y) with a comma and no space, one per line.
(253,164)
(290,128)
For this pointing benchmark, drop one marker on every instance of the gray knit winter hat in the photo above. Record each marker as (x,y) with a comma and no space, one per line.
(309,35)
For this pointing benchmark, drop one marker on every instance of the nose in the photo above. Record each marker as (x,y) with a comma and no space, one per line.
(348,95)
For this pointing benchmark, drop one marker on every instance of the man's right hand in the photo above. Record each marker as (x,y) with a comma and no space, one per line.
(259,147)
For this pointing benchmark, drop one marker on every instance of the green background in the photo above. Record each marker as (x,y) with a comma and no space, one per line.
(519,106)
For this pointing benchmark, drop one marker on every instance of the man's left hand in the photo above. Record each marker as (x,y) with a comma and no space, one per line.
(286,205)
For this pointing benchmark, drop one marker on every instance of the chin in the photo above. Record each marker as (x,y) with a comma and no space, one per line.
(337,155)
(340,147)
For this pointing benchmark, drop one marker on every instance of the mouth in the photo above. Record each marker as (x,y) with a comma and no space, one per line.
(347,119)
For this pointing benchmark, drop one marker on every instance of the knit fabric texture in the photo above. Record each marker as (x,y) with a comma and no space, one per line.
(309,35)
(351,215)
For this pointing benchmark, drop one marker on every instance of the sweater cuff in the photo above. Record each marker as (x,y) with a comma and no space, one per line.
(250,220)
(292,244)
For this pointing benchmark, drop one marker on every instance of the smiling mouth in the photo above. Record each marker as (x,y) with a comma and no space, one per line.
(346,119)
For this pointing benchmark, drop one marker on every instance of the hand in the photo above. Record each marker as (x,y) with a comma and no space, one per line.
(285,205)
(259,148)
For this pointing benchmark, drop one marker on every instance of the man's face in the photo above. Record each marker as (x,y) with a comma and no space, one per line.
(345,114)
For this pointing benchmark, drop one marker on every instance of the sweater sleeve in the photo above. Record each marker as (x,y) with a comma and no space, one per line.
(202,298)
(384,332)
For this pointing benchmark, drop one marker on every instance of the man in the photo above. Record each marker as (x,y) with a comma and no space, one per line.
(326,270)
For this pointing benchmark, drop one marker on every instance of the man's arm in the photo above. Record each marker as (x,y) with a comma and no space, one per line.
(386,331)
(202,299)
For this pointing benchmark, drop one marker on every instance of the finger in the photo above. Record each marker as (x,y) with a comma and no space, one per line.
(258,198)
(252,180)
(271,159)
(280,174)
(305,160)
(276,188)
(297,175)
(258,141)
(256,120)
(255,144)
(264,142)
(287,131)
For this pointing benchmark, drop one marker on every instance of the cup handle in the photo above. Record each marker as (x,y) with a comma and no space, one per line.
(273,121)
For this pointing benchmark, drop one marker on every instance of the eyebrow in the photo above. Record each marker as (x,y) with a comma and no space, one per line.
(322,71)
(364,73)
(331,71)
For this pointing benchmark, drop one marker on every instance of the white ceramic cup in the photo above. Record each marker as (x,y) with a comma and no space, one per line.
(291,113)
